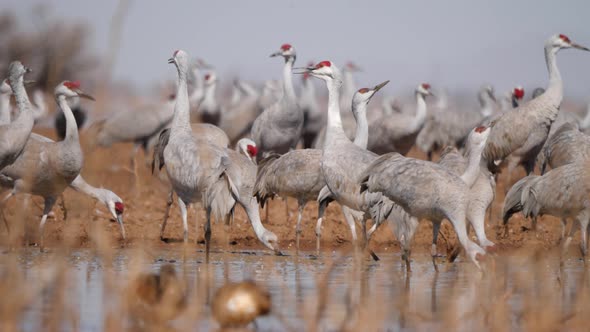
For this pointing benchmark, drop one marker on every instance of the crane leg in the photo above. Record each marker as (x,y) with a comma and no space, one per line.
(134,166)
(207,234)
(183,214)
(476,218)
(569,237)
(351,222)
(433,249)
(62,206)
(286,199)
(298,227)
(49,202)
(2,203)
(584,233)
(318,228)
(166,213)
(406,258)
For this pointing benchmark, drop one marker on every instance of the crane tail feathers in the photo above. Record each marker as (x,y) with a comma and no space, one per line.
(516,198)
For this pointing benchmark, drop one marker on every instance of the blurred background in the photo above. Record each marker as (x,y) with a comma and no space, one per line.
(458,45)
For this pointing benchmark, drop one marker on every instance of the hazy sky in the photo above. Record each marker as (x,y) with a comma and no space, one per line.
(455,44)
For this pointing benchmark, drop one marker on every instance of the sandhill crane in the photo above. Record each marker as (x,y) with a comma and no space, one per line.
(60,120)
(398,132)
(314,117)
(196,96)
(565,146)
(427,190)
(200,171)
(512,99)
(245,146)
(112,202)
(278,128)
(47,168)
(237,120)
(481,193)
(562,192)
(14,135)
(157,297)
(298,173)
(139,125)
(5,92)
(236,305)
(523,131)
(209,109)
(342,161)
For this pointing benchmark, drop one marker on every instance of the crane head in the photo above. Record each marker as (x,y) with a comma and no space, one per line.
(71,89)
(364,95)
(116,207)
(486,91)
(248,148)
(352,67)
(286,51)
(180,58)
(560,41)
(16,71)
(325,70)
(306,75)
(210,78)
(424,89)
(518,92)
(478,137)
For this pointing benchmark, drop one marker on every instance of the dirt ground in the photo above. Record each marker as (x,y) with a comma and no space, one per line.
(145,202)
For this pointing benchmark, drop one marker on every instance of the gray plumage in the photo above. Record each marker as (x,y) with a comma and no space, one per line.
(481,193)
(561,192)
(314,117)
(523,131)
(427,190)
(14,135)
(201,131)
(565,146)
(397,132)
(46,168)
(140,125)
(200,171)
(5,92)
(278,128)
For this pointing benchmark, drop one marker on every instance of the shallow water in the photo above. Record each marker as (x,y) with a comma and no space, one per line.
(359,292)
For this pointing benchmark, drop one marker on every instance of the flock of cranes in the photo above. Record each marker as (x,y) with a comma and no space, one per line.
(352,156)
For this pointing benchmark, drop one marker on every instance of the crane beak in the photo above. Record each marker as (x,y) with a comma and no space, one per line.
(302,70)
(29,82)
(276,54)
(379,86)
(83,94)
(171,60)
(120,221)
(580,47)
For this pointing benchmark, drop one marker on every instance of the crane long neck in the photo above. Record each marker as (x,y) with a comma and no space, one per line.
(71,126)
(361,137)
(420,115)
(472,171)
(288,89)
(80,185)
(334,128)
(21,97)
(585,123)
(210,94)
(4,109)
(487,105)
(181,120)
(349,86)
(555,87)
